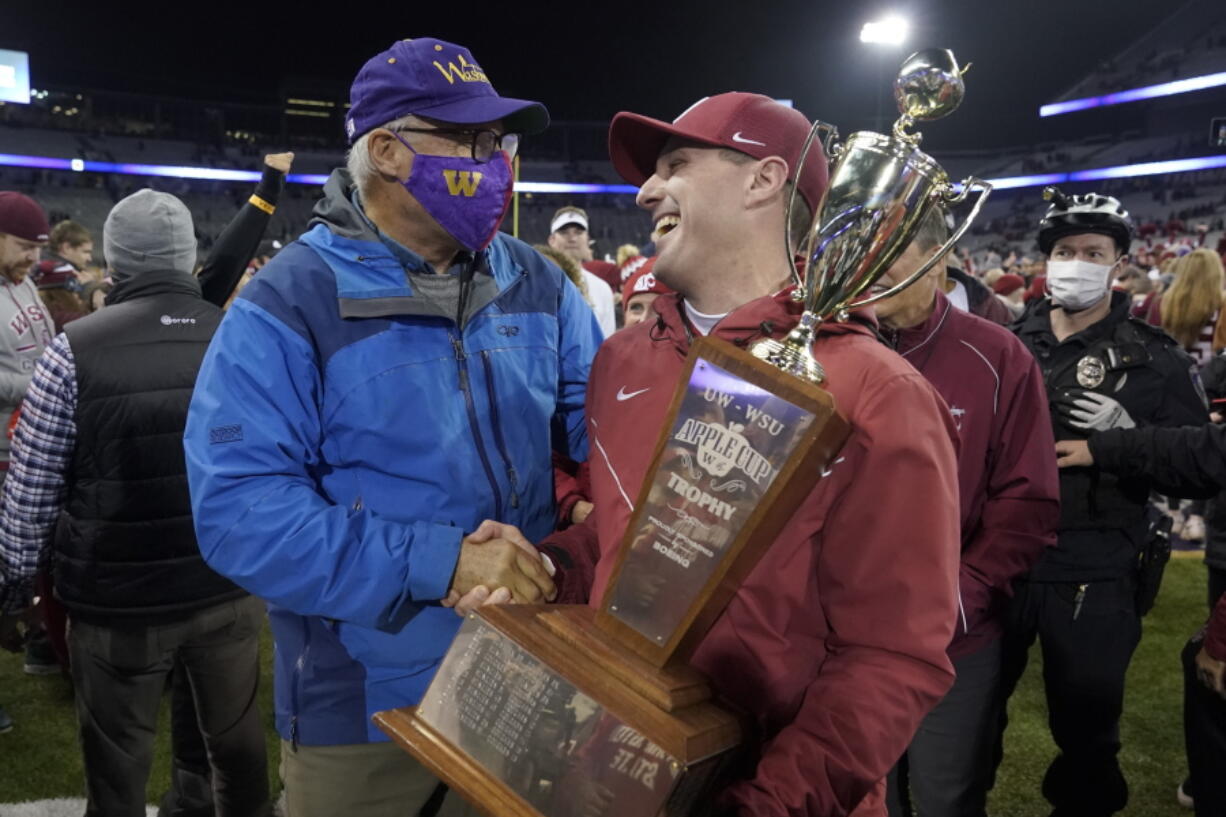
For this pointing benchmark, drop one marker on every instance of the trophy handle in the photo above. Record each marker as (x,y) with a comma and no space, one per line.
(828,146)
(950,196)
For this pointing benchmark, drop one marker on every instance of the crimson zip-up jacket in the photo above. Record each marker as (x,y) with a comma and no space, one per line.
(1007,477)
(835,644)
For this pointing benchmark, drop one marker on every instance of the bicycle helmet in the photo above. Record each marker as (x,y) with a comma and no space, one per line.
(1089,213)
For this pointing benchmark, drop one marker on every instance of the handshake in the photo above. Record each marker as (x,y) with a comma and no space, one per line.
(498,565)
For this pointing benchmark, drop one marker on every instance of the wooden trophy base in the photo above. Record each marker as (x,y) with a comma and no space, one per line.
(643,705)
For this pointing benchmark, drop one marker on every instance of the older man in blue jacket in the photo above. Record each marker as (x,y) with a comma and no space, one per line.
(372,426)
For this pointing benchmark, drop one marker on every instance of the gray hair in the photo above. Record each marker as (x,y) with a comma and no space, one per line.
(361,169)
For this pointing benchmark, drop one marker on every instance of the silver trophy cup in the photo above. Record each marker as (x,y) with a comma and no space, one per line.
(881,189)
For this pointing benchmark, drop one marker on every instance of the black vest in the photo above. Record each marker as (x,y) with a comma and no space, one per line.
(124,542)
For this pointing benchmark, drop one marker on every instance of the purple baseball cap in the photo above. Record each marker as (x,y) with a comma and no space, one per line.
(436,79)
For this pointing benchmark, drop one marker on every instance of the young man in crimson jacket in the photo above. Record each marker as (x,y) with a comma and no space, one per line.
(834,646)
(1010,500)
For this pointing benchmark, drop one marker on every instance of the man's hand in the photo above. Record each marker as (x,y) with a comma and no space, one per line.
(280,161)
(497,555)
(580,511)
(1072,453)
(1211,672)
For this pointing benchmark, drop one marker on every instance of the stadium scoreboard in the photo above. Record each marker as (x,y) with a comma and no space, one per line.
(14,76)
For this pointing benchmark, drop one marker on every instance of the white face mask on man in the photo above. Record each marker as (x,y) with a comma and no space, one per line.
(1078,285)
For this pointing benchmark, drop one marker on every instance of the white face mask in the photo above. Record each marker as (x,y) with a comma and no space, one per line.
(1078,285)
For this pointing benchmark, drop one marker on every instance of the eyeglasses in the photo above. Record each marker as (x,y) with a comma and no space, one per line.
(484,142)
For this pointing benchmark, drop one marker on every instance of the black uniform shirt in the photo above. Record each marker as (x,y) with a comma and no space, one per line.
(1102,522)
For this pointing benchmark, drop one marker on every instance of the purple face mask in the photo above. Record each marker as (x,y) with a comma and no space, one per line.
(467,198)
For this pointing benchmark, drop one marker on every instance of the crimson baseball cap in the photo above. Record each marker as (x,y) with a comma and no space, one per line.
(437,79)
(643,280)
(752,124)
(21,216)
(1008,283)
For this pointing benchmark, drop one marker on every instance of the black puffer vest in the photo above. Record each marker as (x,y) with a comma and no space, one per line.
(124,543)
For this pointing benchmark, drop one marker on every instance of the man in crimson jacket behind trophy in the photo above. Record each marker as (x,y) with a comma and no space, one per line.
(834,646)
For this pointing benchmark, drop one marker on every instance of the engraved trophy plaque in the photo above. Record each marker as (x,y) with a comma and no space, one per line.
(554,711)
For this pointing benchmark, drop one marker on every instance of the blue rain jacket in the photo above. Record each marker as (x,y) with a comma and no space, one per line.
(344,436)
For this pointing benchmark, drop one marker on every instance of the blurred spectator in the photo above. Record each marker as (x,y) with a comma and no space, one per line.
(1191,308)
(992,276)
(1011,289)
(568,233)
(99,480)
(71,246)
(628,266)
(968,294)
(242,243)
(569,236)
(639,292)
(60,290)
(23,233)
(1037,289)
(587,284)
(94,294)
(624,253)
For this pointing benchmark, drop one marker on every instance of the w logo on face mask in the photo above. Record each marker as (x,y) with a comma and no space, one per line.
(462,182)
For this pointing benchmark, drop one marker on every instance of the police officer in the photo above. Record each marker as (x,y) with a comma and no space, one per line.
(1103,369)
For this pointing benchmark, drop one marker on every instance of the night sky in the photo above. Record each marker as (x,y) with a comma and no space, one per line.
(587,60)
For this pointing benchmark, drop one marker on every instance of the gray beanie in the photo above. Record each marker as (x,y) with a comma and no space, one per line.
(147,232)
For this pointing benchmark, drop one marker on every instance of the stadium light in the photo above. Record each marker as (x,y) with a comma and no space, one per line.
(1179,86)
(887,31)
(1188,165)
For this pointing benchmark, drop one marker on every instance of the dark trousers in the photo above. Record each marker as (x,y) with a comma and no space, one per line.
(945,770)
(1085,660)
(1204,733)
(191,778)
(119,673)
(1204,724)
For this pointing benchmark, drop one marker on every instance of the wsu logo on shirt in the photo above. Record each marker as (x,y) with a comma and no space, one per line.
(463,182)
(22,321)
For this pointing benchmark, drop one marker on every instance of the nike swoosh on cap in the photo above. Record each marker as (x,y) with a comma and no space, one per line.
(622,395)
(736,137)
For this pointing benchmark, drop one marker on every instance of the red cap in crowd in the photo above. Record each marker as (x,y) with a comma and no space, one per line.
(21,216)
(1038,289)
(50,274)
(630,266)
(752,124)
(642,280)
(1008,284)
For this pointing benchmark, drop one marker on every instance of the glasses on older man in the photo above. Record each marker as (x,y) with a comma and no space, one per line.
(484,142)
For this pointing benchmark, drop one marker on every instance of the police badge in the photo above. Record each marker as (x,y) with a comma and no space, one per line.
(1091,372)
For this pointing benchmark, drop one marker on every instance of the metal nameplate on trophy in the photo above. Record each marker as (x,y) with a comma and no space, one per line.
(552,710)
(538,734)
(727,445)
(743,443)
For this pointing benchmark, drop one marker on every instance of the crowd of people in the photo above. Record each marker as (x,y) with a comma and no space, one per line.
(406,414)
